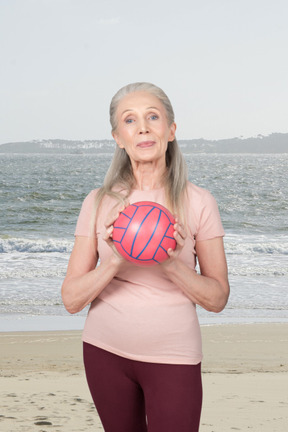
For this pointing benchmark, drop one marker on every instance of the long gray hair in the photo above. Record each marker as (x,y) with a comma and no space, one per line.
(120,173)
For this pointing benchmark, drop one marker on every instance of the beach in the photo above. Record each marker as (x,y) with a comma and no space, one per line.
(245,380)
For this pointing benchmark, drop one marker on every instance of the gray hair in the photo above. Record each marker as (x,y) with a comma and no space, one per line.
(120,172)
(140,87)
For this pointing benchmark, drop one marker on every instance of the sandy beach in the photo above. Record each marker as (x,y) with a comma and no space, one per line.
(245,380)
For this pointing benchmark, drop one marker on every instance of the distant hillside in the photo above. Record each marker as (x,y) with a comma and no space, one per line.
(274,143)
(59,146)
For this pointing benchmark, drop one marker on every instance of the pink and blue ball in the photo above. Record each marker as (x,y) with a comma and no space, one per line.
(143,233)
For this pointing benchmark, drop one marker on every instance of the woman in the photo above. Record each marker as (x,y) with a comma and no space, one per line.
(142,343)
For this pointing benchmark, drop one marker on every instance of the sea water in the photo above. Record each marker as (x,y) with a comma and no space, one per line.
(40,199)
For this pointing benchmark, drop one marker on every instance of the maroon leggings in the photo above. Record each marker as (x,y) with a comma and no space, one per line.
(135,396)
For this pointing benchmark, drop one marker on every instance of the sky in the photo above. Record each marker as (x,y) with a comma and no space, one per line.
(222,63)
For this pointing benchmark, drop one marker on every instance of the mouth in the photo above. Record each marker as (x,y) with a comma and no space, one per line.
(145,144)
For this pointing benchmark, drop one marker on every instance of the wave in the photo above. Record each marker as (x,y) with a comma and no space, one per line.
(257,271)
(234,244)
(58,272)
(254,245)
(34,273)
(30,302)
(21,245)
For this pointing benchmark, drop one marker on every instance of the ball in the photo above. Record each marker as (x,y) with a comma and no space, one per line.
(143,233)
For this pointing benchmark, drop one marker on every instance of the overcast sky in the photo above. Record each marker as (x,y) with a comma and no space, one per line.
(223,64)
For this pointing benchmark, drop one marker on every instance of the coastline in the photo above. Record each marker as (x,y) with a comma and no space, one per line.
(245,378)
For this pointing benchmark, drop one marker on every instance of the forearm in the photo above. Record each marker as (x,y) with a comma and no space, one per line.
(205,291)
(78,292)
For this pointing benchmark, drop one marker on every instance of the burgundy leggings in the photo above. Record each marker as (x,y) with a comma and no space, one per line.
(128,394)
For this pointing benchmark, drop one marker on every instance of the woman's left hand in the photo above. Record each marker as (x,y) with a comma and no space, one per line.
(180,236)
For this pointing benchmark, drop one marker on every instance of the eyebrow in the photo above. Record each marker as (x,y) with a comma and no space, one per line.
(131,109)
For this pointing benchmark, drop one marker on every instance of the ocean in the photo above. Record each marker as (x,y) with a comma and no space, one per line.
(40,199)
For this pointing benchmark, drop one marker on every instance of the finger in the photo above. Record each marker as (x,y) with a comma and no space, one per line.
(111,218)
(113,215)
(170,252)
(179,228)
(179,240)
(109,232)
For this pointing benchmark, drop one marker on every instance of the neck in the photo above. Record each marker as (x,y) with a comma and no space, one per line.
(148,176)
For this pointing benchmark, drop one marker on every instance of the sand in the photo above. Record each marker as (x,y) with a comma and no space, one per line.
(245,379)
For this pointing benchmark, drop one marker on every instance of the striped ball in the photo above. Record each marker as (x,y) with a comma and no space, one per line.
(143,233)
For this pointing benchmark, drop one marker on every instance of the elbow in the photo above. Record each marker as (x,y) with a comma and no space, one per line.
(70,304)
(218,303)
(72,309)
(217,308)
(222,297)
(214,307)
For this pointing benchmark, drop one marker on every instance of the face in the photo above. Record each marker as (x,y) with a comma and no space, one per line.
(142,127)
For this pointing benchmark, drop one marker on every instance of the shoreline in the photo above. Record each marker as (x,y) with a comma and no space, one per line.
(245,379)
(12,323)
(250,347)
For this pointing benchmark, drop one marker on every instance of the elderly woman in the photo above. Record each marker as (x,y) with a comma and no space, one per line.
(142,342)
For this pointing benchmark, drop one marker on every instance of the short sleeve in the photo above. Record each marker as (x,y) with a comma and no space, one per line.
(86,221)
(209,224)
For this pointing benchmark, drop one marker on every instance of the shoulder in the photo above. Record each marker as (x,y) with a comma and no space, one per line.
(197,194)
(89,201)
(86,215)
(91,195)
(98,202)
(90,198)
(203,213)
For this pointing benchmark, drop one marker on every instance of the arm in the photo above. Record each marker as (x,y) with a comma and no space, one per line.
(210,289)
(85,280)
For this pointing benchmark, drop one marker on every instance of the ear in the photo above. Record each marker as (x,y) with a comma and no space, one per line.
(172,132)
(116,138)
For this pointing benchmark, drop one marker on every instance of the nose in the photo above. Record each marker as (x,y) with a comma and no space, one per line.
(143,128)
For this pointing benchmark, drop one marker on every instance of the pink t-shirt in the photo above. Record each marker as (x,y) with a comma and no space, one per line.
(141,314)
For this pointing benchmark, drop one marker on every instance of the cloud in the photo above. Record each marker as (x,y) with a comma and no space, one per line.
(109,21)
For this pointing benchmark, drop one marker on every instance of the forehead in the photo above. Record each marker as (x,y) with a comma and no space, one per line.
(139,99)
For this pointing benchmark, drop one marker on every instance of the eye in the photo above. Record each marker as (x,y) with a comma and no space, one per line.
(153,116)
(129,120)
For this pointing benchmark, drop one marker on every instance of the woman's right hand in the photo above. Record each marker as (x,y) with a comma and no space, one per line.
(85,280)
(107,237)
